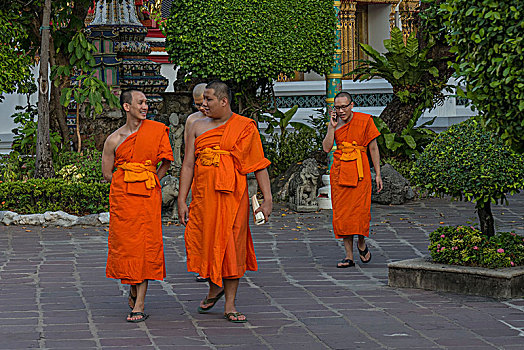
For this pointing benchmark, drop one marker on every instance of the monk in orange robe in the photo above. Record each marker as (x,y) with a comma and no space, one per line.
(350,175)
(220,151)
(136,253)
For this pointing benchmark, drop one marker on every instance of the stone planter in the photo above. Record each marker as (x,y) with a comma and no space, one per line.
(422,273)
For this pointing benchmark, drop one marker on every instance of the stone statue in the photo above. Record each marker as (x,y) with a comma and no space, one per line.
(176,137)
(169,198)
(303,187)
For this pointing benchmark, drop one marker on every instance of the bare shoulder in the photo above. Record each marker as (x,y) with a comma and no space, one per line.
(113,140)
(194,117)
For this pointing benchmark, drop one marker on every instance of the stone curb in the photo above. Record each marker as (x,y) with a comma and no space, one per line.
(422,273)
(53,218)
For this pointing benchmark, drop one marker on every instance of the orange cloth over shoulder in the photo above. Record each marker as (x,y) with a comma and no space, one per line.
(136,251)
(350,177)
(218,238)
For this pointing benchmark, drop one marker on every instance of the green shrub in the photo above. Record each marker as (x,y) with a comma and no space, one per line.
(486,37)
(41,195)
(84,167)
(467,246)
(403,166)
(469,163)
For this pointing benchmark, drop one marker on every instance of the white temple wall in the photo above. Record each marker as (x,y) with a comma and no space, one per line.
(378,25)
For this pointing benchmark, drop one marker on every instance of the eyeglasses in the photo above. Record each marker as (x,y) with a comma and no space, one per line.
(338,108)
(198,105)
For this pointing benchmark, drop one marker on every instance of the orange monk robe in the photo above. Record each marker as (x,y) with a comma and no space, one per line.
(218,238)
(350,177)
(136,250)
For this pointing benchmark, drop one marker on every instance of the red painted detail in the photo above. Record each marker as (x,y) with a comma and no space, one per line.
(159,59)
(155,33)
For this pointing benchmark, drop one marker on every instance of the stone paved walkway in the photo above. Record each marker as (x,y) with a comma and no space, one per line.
(54,294)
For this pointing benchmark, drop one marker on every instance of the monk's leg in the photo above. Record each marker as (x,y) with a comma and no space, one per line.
(214,291)
(362,246)
(141,290)
(132,296)
(230,287)
(348,246)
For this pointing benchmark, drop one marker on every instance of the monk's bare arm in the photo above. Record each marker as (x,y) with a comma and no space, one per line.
(189,122)
(163,168)
(375,158)
(108,157)
(186,177)
(265,187)
(329,139)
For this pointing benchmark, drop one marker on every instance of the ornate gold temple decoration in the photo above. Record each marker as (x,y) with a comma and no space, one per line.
(407,10)
(347,35)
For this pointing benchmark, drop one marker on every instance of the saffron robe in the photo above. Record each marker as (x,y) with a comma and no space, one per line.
(351,186)
(217,235)
(136,251)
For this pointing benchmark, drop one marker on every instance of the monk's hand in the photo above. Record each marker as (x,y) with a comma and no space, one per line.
(265,208)
(183,213)
(378,180)
(333,121)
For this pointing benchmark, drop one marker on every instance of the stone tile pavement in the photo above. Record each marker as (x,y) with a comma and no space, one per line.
(54,294)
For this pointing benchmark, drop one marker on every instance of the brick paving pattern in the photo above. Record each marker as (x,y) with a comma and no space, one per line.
(54,294)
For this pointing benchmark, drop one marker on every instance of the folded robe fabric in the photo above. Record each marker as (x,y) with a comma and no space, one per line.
(350,183)
(135,230)
(217,235)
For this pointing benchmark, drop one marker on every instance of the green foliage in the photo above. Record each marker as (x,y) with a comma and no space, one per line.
(41,195)
(468,162)
(250,40)
(406,67)
(85,167)
(24,140)
(14,167)
(319,123)
(85,89)
(486,36)
(467,246)
(285,147)
(409,144)
(15,62)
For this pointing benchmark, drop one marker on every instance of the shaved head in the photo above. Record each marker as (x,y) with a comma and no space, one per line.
(344,94)
(221,90)
(198,91)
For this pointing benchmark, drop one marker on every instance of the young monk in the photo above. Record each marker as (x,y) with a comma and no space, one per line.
(221,150)
(136,253)
(198,102)
(350,175)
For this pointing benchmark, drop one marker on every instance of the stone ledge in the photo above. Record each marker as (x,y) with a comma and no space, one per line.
(422,273)
(53,218)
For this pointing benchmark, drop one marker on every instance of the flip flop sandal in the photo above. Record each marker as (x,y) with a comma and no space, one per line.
(133,314)
(349,263)
(363,254)
(229,316)
(213,301)
(199,278)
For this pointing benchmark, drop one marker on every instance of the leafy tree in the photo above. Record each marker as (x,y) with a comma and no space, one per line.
(468,162)
(15,65)
(486,36)
(85,90)
(249,43)
(412,74)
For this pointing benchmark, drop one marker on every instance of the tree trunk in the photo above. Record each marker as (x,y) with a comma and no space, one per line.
(397,115)
(487,223)
(44,161)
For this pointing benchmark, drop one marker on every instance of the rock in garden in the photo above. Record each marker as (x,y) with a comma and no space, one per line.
(60,218)
(396,188)
(31,219)
(8,217)
(88,220)
(104,218)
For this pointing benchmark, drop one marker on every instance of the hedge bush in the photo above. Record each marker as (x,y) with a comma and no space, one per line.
(41,195)
(469,163)
(467,246)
